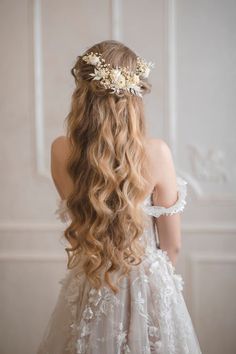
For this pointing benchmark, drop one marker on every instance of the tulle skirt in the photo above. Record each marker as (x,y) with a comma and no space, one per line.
(147,316)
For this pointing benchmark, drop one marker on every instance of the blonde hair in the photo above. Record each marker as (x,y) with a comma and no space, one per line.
(107,162)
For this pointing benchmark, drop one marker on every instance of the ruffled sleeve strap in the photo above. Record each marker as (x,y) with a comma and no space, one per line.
(62,211)
(156,210)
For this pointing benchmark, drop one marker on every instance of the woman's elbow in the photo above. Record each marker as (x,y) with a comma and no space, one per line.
(174,248)
(173,253)
(177,248)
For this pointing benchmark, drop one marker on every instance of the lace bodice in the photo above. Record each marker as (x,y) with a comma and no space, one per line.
(151,210)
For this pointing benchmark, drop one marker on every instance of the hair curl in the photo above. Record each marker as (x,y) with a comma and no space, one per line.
(107,167)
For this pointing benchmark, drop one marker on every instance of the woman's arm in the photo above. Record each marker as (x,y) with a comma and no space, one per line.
(59,156)
(60,151)
(168,228)
(165,194)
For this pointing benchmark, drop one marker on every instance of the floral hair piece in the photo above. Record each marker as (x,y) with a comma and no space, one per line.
(118,79)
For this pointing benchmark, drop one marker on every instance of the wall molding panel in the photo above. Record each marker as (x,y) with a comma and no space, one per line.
(39,108)
(39,113)
(32,257)
(215,168)
(116,19)
(170,120)
(195,260)
(26,226)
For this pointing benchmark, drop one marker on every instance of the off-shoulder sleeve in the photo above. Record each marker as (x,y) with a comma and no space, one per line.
(157,210)
(62,211)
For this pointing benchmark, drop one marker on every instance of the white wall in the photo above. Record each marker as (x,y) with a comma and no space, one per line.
(192,107)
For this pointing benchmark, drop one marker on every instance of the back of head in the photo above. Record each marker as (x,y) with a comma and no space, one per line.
(106,128)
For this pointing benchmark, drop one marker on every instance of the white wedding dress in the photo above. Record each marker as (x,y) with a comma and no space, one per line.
(147,316)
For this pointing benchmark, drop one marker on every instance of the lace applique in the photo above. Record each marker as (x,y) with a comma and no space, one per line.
(151,321)
(104,302)
(101,302)
(157,211)
(121,340)
(171,286)
(72,294)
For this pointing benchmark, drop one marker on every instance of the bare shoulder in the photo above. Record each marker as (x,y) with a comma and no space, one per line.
(60,152)
(60,145)
(160,159)
(158,149)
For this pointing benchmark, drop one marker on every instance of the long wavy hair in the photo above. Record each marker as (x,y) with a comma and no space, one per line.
(107,167)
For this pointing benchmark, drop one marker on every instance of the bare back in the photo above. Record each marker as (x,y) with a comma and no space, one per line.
(159,165)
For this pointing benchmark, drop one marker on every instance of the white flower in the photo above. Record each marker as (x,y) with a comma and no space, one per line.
(95,296)
(88,313)
(146,73)
(178,281)
(99,74)
(85,330)
(158,345)
(139,300)
(92,59)
(80,346)
(121,338)
(153,331)
(122,81)
(126,349)
(115,74)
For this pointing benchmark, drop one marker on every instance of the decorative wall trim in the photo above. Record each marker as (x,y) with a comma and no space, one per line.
(37,257)
(208,167)
(29,226)
(202,197)
(38,90)
(194,259)
(171,102)
(170,96)
(25,226)
(39,113)
(116,22)
(170,121)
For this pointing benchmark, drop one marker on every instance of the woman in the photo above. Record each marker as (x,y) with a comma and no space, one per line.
(120,200)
